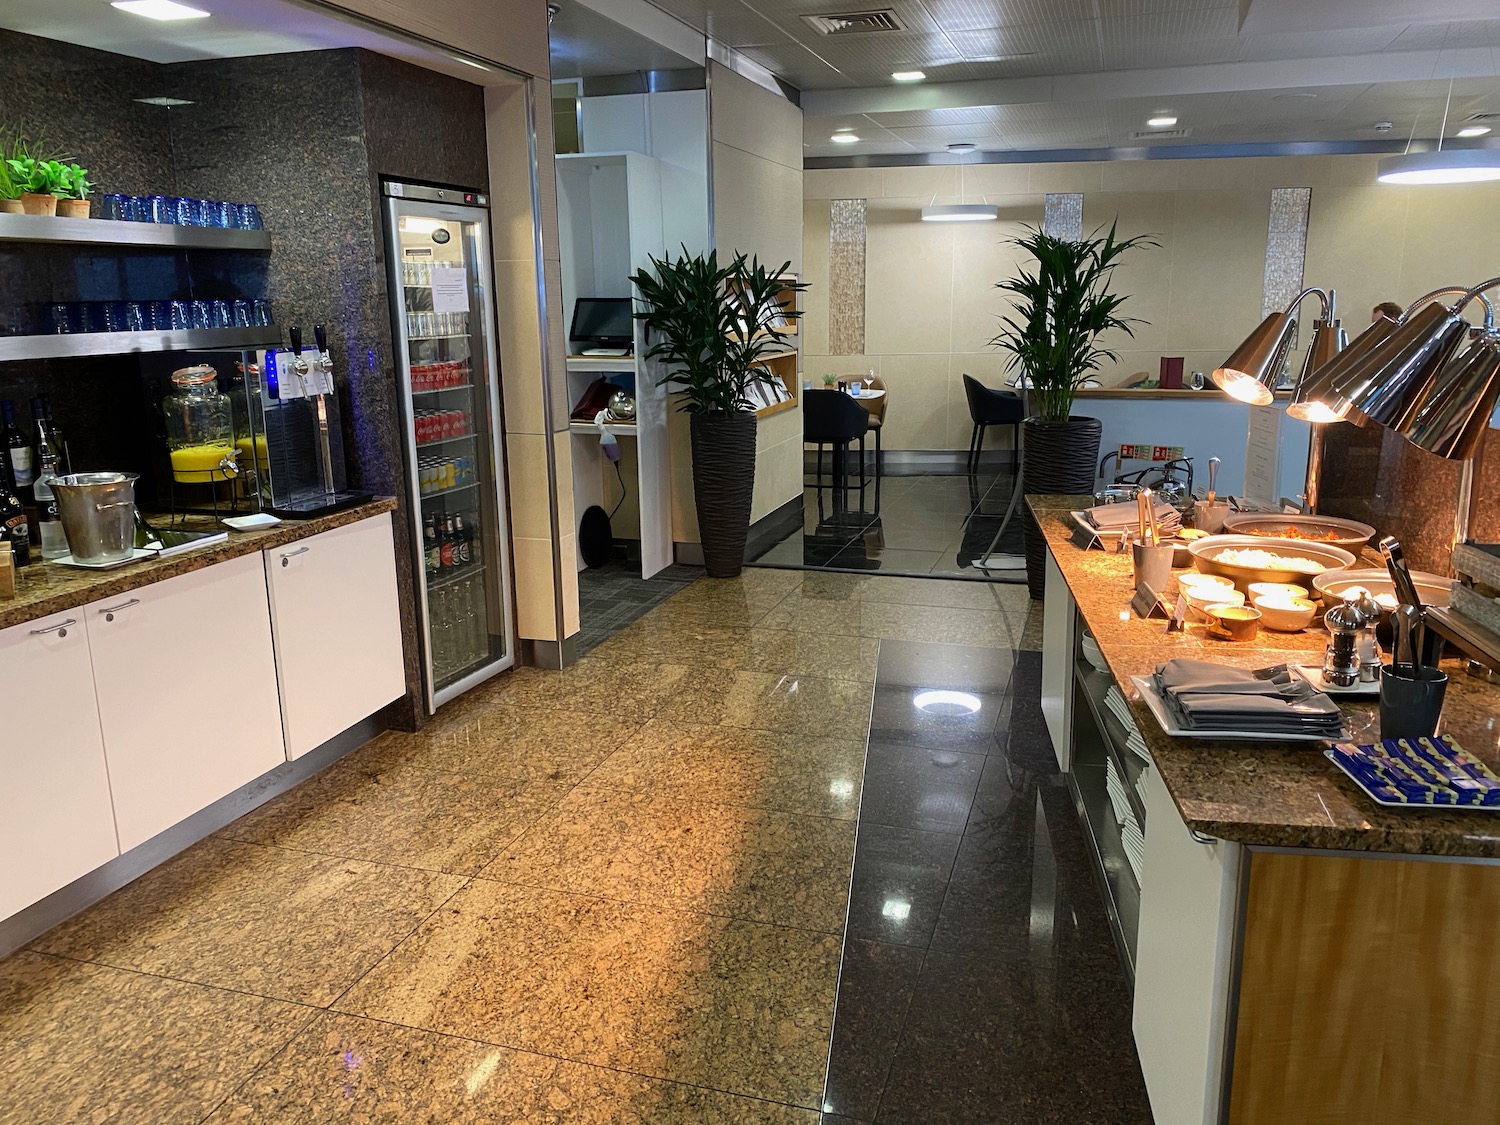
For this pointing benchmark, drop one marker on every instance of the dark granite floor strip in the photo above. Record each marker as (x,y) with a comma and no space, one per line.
(980,982)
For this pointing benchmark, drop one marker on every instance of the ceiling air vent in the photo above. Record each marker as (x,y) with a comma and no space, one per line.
(856,23)
(1158,134)
(1483,117)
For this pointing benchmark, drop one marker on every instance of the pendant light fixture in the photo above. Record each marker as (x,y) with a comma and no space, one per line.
(960,212)
(1442,166)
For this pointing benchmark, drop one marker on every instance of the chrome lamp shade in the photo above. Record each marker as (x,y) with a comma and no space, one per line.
(1390,381)
(1313,400)
(1250,373)
(1452,421)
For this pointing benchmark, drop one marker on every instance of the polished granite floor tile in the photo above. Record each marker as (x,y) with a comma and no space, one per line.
(900,881)
(1043,1041)
(891,559)
(738,766)
(952,667)
(996,628)
(939,718)
(992,596)
(783,651)
(813,613)
(735,1006)
(82,1044)
(399,813)
(1007,792)
(342,1068)
(811,705)
(875,988)
(923,788)
(781,868)
(596,684)
(286,924)
(511,742)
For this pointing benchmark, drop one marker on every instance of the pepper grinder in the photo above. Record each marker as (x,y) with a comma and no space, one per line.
(1341,660)
(1369,647)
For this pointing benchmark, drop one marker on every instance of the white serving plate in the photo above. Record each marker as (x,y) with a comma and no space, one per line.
(256,521)
(136,555)
(1158,708)
(1314,675)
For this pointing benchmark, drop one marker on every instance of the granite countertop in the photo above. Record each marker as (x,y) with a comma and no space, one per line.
(45,588)
(1272,793)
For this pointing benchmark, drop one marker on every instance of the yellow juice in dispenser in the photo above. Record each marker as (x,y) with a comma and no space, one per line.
(199,464)
(254,451)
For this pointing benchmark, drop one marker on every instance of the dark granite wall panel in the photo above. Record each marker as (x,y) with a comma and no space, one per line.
(1373,475)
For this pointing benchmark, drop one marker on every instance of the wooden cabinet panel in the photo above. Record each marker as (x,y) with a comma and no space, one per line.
(337,623)
(186,684)
(55,818)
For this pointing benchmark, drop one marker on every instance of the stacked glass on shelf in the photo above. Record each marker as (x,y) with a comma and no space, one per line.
(433,325)
(66,317)
(440,376)
(440,425)
(443,474)
(171,210)
(456,599)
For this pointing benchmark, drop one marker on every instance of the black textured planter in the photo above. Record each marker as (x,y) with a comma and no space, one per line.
(1058,458)
(723,486)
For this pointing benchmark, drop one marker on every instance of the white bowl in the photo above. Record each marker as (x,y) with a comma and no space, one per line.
(1277,589)
(1092,654)
(1193,580)
(1199,598)
(1284,614)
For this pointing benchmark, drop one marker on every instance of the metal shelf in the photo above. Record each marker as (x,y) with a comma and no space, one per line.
(458,575)
(49,230)
(444,390)
(445,441)
(620,429)
(440,492)
(70,344)
(427,339)
(1096,685)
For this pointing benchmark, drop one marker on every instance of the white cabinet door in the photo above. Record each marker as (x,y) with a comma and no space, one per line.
(337,622)
(187,693)
(55,817)
(1183,963)
(1058,618)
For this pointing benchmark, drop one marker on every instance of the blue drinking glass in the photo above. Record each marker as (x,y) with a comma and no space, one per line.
(221,214)
(262,314)
(219,314)
(60,318)
(161,316)
(91,316)
(249,216)
(181,315)
(115,206)
(244,314)
(160,209)
(115,318)
(198,316)
(138,317)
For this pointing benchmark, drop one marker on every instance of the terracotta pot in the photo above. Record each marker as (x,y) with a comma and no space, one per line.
(34,204)
(11,207)
(73,208)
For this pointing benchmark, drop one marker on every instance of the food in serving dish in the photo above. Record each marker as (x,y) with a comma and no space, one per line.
(1348,534)
(1284,589)
(1246,559)
(1256,559)
(1332,585)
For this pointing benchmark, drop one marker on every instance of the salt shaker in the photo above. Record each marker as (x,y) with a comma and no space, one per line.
(1341,659)
(1369,647)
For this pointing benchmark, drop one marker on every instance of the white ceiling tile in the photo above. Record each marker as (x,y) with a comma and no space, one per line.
(964,15)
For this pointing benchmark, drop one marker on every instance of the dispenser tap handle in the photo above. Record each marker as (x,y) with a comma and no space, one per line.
(320,337)
(296,334)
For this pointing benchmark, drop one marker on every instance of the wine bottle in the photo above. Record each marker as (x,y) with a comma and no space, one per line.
(40,441)
(59,441)
(16,446)
(13,526)
(54,543)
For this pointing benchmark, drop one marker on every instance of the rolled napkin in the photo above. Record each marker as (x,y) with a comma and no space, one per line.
(1115,517)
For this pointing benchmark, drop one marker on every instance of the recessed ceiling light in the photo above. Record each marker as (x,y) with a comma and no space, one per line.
(470,62)
(962,148)
(1161,121)
(159,9)
(843,138)
(164,101)
(1473,130)
(907,76)
(1299,94)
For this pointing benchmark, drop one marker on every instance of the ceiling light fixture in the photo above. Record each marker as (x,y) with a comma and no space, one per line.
(470,62)
(164,101)
(1473,130)
(963,148)
(960,212)
(159,9)
(918,76)
(843,138)
(1454,166)
(1161,121)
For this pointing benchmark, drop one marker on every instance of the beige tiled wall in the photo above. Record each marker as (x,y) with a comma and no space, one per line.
(931,307)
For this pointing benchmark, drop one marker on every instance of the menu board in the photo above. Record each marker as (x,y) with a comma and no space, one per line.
(1262,455)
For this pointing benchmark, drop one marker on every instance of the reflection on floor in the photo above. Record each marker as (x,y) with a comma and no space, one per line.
(610,597)
(618,893)
(934,524)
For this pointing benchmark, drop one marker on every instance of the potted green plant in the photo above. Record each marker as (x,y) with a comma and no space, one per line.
(710,326)
(13,145)
(73,192)
(1060,309)
(39,180)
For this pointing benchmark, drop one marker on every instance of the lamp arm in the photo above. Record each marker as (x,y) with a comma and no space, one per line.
(1324,299)
(1468,295)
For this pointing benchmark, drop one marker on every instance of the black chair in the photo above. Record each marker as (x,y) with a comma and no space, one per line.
(991,408)
(833,418)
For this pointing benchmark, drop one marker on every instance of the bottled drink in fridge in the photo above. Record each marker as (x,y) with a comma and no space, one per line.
(13,528)
(54,543)
(17,448)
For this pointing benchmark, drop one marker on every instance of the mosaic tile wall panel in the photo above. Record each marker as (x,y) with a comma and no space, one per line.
(846,277)
(1062,217)
(1286,247)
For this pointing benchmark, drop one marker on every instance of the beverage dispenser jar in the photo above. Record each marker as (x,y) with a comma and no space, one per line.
(200,427)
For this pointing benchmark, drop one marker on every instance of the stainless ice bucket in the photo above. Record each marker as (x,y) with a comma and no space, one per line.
(98,515)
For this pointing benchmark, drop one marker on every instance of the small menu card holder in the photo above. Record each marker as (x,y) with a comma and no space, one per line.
(1148,603)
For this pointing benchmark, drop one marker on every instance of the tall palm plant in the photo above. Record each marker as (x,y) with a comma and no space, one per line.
(1061,307)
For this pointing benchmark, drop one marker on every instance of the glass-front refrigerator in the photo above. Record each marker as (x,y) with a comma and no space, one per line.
(443,317)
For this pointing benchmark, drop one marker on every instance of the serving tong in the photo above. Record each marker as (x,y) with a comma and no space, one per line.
(1409,619)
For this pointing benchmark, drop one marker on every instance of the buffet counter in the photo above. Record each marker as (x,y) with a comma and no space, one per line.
(1300,953)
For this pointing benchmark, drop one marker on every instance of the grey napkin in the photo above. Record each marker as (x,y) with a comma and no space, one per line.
(1112,517)
(1209,696)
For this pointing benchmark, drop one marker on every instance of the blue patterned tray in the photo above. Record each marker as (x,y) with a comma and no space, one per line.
(1419,773)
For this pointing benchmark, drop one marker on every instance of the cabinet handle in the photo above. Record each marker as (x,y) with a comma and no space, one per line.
(61,629)
(1201,837)
(285,558)
(109,614)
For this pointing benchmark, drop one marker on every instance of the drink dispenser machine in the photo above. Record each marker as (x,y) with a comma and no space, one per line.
(296,433)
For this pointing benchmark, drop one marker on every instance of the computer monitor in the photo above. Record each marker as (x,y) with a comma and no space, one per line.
(603,322)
